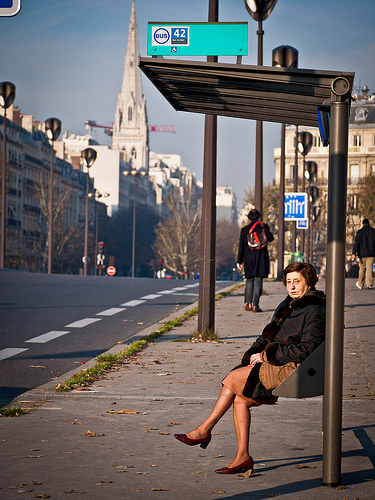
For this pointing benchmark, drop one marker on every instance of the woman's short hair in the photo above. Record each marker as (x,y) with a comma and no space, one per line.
(308,271)
(254,214)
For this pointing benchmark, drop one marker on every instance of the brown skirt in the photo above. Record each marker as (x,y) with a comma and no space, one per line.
(235,381)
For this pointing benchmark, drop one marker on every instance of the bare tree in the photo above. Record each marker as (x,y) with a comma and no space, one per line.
(177,238)
(227,236)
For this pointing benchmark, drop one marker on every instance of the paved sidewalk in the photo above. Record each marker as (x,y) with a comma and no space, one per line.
(75,445)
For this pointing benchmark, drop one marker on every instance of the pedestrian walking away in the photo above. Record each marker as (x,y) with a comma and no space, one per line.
(253,258)
(296,330)
(364,247)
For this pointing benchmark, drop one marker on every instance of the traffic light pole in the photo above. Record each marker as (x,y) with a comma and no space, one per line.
(335,282)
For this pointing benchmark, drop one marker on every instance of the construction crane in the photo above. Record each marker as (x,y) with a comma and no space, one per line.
(108,127)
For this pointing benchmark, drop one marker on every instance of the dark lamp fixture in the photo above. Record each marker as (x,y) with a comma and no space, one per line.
(285,56)
(53,128)
(304,142)
(7,94)
(260,10)
(311,170)
(88,156)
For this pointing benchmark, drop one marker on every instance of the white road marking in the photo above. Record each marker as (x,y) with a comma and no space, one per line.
(8,352)
(82,322)
(111,311)
(151,296)
(166,291)
(46,337)
(179,288)
(192,286)
(133,303)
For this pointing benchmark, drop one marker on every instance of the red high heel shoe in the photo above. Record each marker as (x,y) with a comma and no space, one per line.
(192,442)
(245,466)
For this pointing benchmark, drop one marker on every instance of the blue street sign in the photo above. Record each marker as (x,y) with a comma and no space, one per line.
(9,7)
(295,206)
(303,224)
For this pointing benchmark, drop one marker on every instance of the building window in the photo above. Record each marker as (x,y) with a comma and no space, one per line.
(291,172)
(357,140)
(354,174)
(373,169)
(360,114)
(130,113)
(316,141)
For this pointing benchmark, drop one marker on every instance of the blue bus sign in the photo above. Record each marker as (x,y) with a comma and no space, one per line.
(197,39)
(9,7)
(295,206)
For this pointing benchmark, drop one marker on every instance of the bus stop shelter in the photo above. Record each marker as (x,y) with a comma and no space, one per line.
(290,96)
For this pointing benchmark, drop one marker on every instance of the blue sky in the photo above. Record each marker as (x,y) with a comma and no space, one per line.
(66,59)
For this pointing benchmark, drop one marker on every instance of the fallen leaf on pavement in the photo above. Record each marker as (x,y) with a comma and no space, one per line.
(164,433)
(124,412)
(92,434)
(159,489)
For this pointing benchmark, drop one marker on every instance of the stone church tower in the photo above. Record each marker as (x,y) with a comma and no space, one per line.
(130,130)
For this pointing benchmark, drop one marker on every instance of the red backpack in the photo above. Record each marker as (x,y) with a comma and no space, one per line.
(257,237)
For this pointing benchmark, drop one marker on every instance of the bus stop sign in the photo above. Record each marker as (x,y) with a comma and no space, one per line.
(295,206)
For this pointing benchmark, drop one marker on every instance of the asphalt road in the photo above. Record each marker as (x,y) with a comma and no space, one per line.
(52,323)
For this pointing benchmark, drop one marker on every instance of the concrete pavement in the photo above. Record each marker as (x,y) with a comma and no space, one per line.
(115,439)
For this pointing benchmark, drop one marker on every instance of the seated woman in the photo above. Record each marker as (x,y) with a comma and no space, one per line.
(296,329)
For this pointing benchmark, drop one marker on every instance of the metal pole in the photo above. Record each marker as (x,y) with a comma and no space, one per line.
(295,188)
(303,190)
(133,237)
(50,228)
(96,237)
(4,195)
(280,243)
(85,262)
(206,301)
(259,136)
(335,285)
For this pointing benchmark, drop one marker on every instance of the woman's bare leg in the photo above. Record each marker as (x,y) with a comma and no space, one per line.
(242,420)
(223,403)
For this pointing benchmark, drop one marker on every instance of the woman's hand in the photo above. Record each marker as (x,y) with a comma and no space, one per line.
(255,358)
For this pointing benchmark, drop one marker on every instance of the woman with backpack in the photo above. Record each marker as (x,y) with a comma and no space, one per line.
(253,258)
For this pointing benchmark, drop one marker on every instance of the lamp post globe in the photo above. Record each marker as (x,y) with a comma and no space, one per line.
(260,10)
(88,156)
(7,96)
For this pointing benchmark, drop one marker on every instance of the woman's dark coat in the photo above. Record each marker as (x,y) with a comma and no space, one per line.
(296,330)
(255,262)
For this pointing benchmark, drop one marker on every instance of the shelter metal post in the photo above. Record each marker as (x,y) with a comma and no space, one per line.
(335,283)
(206,301)
(281,244)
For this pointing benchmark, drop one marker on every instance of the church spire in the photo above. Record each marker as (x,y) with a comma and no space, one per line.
(130,132)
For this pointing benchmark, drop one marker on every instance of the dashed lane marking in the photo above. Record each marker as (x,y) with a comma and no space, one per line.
(179,288)
(9,352)
(46,337)
(82,322)
(133,303)
(111,311)
(151,296)
(166,292)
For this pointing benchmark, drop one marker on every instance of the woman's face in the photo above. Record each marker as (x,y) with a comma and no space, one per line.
(296,285)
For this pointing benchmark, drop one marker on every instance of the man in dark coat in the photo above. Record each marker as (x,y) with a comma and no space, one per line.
(364,247)
(256,263)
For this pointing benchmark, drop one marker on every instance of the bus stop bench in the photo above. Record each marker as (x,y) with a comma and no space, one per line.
(307,380)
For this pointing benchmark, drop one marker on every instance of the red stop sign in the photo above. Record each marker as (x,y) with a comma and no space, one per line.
(111,270)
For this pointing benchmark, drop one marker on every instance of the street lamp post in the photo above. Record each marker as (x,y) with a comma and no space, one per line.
(53,129)
(88,156)
(259,10)
(304,144)
(97,197)
(283,56)
(134,172)
(7,96)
